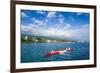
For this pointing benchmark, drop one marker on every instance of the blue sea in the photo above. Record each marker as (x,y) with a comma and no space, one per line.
(35,52)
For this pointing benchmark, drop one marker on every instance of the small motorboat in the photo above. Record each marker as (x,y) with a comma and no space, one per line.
(61,51)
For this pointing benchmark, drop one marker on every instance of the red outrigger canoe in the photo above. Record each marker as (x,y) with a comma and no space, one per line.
(61,51)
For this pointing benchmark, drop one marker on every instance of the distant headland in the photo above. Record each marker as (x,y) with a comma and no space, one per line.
(31,39)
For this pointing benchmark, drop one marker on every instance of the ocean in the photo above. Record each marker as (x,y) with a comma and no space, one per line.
(35,52)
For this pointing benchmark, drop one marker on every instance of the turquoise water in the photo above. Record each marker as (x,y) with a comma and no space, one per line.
(35,52)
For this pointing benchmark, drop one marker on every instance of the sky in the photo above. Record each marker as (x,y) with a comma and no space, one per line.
(67,25)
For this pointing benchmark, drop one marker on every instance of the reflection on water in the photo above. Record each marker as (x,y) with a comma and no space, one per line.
(35,52)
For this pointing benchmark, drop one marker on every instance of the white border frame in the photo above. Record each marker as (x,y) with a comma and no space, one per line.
(52,64)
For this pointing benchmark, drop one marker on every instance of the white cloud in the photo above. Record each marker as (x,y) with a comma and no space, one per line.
(41,12)
(61,16)
(79,13)
(33,19)
(79,33)
(41,23)
(52,32)
(24,14)
(26,29)
(51,14)
(67,27)
(46,20)
(38,22)
(61,20)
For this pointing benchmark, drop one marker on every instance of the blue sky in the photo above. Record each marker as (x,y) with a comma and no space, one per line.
(67,25)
